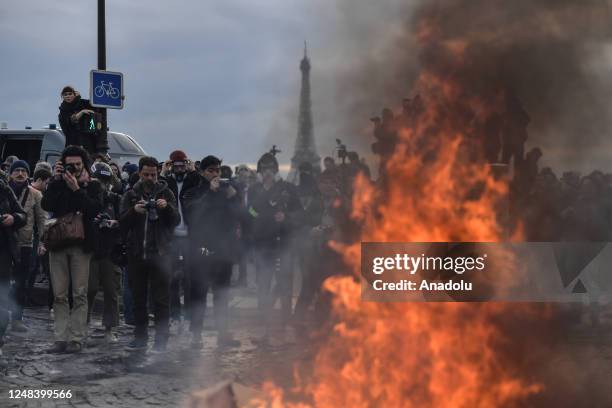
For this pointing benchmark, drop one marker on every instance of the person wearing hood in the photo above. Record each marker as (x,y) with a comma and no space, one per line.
(71,112)
(148,217)
(30,200)
(12,217)
(6,166)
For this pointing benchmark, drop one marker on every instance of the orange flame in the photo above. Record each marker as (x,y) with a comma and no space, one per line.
(423,354)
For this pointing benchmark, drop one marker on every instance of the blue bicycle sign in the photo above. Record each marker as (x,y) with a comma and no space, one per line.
(106,89)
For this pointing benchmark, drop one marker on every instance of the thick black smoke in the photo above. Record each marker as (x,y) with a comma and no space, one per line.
(554,54)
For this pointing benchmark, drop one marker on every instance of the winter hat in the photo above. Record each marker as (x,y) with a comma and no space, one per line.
(68,88)
(131,168)
(20,164)
(178,156)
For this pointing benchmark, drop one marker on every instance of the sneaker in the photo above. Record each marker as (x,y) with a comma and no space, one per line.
(74,347)
(18,326)
(227,341)
(137,344)
(110,337)
(159,347)
(58,347)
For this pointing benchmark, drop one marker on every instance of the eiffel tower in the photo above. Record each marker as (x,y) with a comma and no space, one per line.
(305,149)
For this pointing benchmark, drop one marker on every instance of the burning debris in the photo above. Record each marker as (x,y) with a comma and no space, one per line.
(479,62)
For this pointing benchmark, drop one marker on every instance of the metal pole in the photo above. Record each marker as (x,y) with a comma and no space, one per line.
(102,146)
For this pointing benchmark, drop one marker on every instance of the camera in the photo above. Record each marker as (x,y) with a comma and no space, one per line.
(224,182)
(151,207)
(69,168)
(2,218)
(103,220)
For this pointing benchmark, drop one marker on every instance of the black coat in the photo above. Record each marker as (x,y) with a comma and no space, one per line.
(192,179)
(60,200)
(212,218)
(107,238)
(10,205)
(264,204)
(72,130)
(92,142)
(133,224)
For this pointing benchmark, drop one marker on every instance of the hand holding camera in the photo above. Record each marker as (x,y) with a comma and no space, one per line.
(103,220)
(149,207)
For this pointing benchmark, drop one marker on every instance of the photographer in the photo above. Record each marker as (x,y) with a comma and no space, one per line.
(30,199)
(148,216)
(212,212)
(275,210)
(180,175)
(74,200)
(12,217)
(102,270)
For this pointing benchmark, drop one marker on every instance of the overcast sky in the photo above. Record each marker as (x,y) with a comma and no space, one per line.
(222,77)
(206,77)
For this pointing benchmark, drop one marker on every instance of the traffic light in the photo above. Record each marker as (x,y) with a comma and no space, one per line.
(91,123)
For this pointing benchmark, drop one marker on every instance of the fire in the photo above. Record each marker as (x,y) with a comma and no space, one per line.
(438,188)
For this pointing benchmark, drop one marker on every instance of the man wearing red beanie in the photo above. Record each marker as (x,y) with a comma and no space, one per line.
(180,175)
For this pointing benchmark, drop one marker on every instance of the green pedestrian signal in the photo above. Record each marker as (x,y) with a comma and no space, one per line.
(92,124)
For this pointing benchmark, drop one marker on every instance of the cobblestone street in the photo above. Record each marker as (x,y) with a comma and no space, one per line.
(577,371)
(104,375)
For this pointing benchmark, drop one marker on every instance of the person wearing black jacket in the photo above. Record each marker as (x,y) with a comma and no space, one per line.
(102,270)
(180,176)
(148,216)
(72,112)
(12,217)
(72,192)
(275,211)
(212,215)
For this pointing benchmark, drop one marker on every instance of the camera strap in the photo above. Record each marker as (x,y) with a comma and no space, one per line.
(25,196)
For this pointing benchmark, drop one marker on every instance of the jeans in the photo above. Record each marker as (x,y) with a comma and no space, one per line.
(21,276)
(128,301)
(156,271)
(272,264)
(104,271)
(70,265)
(5,277)
(215,274)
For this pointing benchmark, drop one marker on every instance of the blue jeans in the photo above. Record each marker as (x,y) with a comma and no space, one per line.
(128,302)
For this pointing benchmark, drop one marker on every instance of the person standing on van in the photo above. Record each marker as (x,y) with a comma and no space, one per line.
(74,200)
(74,111)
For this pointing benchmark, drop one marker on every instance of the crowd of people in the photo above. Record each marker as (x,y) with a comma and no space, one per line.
(157,237)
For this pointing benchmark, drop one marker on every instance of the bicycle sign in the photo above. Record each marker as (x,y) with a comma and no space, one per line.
(106,89)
